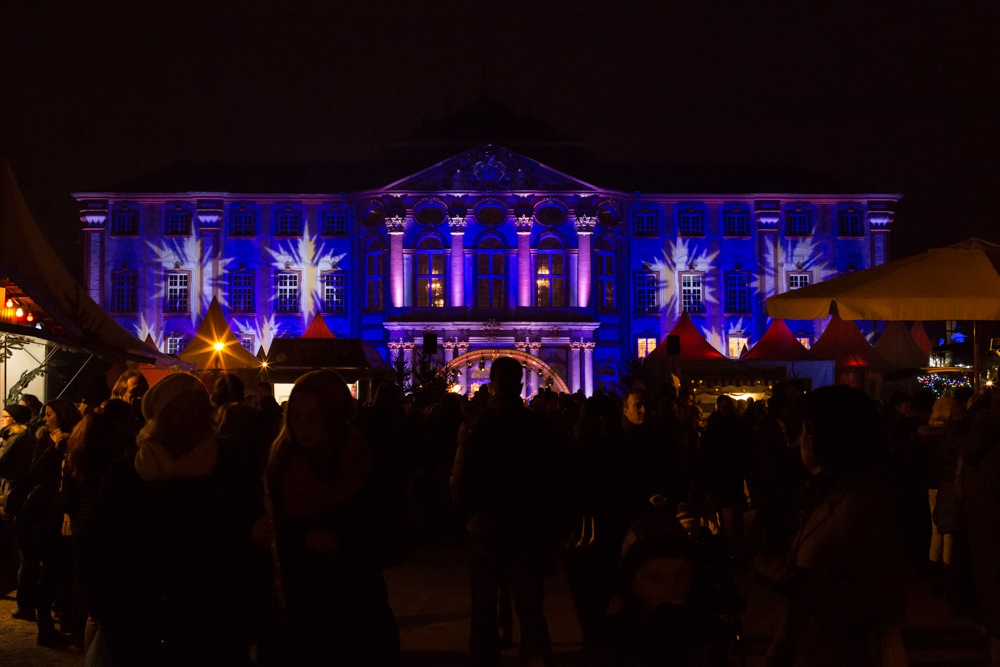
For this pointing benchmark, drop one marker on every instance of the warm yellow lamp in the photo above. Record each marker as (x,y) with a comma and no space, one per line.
(219,346)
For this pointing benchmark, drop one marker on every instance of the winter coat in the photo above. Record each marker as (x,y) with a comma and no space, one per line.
(942,446)
(15,467)
(844,584)
(979,486)
(726,457)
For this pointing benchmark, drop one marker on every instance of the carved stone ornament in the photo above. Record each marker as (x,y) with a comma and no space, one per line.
(523,224)
(585,224)
(588,345)
(456,223)
(395,224)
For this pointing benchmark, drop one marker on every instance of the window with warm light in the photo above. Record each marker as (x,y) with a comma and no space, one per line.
(737,344)
(430,273)
(490,274)
(645,346)
(645,292)
(124,299)
(335,292)
(692,292)
(374,274)
(288,293)
(550,275)
(604,258)
(177,293)
(805,340)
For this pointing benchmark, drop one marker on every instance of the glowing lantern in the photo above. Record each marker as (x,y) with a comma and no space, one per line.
(10,303)
(31,318)
(219,346)
(19,312)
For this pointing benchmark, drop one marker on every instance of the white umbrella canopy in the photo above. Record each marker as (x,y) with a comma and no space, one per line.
(958,282)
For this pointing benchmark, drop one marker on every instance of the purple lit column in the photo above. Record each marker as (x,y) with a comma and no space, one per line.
(457,225)
(523,225)
(395,226)
(574,367)
(533,377)
(411,358)
(94,220)
(588,368)
(584,228)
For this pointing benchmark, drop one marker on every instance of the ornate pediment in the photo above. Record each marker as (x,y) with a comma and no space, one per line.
(490,168)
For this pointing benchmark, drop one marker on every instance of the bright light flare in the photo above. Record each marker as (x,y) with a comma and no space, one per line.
(219,346)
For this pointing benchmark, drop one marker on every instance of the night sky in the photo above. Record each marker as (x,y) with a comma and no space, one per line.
(891,98)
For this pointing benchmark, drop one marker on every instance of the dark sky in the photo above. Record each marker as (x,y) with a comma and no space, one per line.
(895,97)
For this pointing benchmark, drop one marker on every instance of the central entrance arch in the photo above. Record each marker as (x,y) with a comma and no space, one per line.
(531,363)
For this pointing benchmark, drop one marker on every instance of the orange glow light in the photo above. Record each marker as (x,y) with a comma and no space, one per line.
(19,312)
(219,346)
(31,318)
(10,303)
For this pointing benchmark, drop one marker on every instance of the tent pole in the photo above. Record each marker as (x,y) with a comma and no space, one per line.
(975,357)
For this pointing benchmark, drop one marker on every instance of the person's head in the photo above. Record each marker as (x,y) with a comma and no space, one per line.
(726,406)
(31,402)
(264,389)
(93,394)
(945,409)
(14,414)
(319,407)
(61,414)
(98,439)
(228,389)
(179,414)
(131,385)
(505,377)
(635,405)
(656,564)
(840,431)
(238,419)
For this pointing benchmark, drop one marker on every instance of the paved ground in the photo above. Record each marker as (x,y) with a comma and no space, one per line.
(429,595)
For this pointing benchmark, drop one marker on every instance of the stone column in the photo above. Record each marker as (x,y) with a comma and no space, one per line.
(588,367)
(411,358)
(584,228)
(523,226)
(397,279)
(449,351)
(457,225)
(574,367)
(461,347)
(95,274)
(534,380)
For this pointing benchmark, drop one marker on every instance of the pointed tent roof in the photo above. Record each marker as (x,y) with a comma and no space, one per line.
(693,344)
(261,355)
(897,346)
(214,329)
(779,344)
(317,328)
(844,344)
(28,261)
(921,338)
(150,342)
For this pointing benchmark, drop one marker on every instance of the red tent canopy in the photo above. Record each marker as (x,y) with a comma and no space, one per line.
(693,344)
(921,338)
(317,328)
(898,348)
(845,345)
(779,344)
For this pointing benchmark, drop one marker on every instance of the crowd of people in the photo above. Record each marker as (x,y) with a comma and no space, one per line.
(177,525)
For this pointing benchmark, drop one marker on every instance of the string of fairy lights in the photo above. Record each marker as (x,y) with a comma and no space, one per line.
(940,383)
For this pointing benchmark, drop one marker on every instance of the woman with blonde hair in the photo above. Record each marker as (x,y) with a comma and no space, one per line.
(319,482)
(166,550)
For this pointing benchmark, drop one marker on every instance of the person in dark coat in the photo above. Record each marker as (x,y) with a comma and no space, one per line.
(726,458)
(327,532)
(656,460)
(15,485)
(505,479)
(941,439)
(167,545)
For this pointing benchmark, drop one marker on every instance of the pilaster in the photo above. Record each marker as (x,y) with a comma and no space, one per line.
(584,228)
(397,279)
(523,226)
(456,224)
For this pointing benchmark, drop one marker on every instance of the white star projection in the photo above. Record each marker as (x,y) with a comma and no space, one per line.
(677,256)
(188,253)
(305,253)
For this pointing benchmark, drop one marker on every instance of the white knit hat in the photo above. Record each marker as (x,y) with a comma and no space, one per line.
(163,392)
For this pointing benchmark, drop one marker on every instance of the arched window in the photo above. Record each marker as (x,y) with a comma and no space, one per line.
(430,273)
(550,278)
(374,274)
(489,274)
(604,258)
(607,379)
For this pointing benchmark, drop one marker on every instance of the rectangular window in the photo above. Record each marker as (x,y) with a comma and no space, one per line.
(737,293)
(246,340)
(334,223)
(242,223)
(797,280)
(175,344)
(736,224)
(645,224)
(645,346)
(241,292)
(287,223)
(178,222)
(849,224)
(177,293)
(797,224)
(335,293)
(125,292)
(692,292)
(736,346)
(805,340)
(605,280)
(690,224)
(288,292)
(374,278)
(125,223)
(645,292)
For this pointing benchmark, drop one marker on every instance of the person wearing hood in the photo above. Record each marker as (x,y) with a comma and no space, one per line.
(16,452)
(166,552)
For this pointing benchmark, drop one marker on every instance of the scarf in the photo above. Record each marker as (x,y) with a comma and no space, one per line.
(155,463)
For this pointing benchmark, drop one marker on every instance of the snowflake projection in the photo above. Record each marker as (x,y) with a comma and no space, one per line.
(680,255)
(308,254)
(147,328)
(188,253)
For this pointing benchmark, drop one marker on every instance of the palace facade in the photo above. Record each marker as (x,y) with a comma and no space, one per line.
(488,250)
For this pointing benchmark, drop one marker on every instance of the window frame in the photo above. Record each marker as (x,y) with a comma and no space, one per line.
(443,250)
(799,213)
(134,287)
(730,338)
(691,213)
(736,233)
(645,232)
(551,253)
(252,215)
(185,215)
(848,234)
(726,292)
(642,348)
(166,292)
(602,380)
(381,256)
(601,260)
(797,274)
(131,213)
(491,277)
(289,213)
(240,337)
(181,341)
(278,275)
(328,230)
(652,289)
(701,289)
(327,278)
(232,292)
(806,341)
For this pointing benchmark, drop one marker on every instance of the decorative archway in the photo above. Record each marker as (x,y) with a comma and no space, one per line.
(531,363)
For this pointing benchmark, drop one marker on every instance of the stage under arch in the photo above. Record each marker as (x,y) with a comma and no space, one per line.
(532,364)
